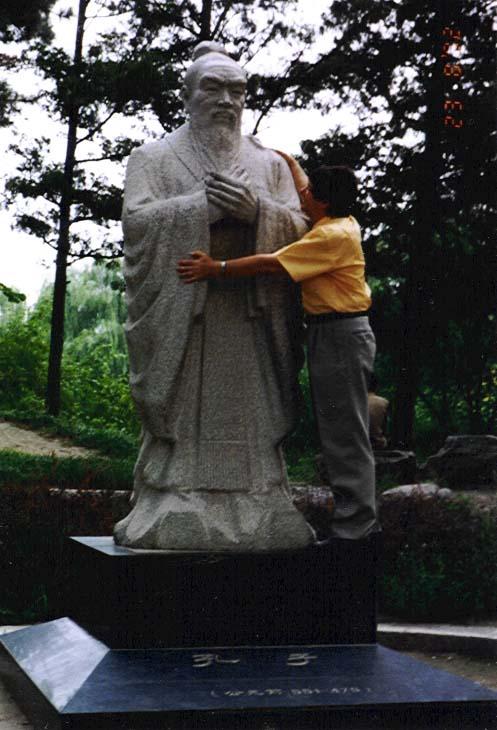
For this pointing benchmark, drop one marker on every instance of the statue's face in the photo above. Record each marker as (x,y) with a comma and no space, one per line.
(216,95)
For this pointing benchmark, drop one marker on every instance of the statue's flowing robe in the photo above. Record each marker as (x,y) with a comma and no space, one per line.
(213,366)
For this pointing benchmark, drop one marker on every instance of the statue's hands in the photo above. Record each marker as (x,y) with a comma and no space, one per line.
(198,267)
(214,212)
(233,194)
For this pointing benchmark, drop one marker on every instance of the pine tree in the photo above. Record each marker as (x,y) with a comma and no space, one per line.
(421,75)
(132,71)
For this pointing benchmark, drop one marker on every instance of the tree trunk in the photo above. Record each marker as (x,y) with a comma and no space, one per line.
(417,319)
(63,242)
(205,20)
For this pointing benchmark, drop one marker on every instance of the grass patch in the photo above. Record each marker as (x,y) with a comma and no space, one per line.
(109,441)
(18,469)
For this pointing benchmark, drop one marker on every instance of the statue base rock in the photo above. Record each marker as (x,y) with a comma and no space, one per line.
(211,521)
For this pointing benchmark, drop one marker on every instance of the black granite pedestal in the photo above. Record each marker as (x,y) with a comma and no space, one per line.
(146,599)
(226,642)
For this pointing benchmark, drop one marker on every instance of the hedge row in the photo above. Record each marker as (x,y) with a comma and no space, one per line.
(19,469)
(439,557)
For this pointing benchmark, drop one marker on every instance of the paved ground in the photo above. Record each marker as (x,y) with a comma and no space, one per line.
(17,438)
(11,718)
(483,671)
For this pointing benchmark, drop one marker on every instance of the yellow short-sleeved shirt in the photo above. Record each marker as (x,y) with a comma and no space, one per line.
(329,262)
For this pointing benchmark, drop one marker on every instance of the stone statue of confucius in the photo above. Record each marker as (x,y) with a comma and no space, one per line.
(213,367)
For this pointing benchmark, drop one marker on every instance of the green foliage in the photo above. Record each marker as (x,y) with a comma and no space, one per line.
(304,440)
(23,358)
(94,394)
(95,384)
(18,469)
(439,560)
(95,374)
(11,294)
(301,468)
(95,313)
(111,442)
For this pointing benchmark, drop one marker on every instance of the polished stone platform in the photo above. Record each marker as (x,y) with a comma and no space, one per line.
(70,680)
(325,594)
(285,641)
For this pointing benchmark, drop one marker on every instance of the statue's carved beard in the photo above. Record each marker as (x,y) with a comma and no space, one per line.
(217,144)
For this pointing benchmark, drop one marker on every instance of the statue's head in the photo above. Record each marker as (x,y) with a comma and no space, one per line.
(214,87)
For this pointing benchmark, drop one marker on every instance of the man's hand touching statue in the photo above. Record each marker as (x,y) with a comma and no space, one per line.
(232,194)
(198,267)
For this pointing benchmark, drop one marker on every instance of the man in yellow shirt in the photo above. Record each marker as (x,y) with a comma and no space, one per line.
(329,263)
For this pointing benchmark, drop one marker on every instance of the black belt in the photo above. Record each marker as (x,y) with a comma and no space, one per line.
(332,316)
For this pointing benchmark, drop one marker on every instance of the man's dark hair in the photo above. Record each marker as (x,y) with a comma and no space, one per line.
(336,186)
(373,383)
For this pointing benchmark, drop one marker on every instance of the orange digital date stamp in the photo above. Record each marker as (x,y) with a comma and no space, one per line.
(452,70)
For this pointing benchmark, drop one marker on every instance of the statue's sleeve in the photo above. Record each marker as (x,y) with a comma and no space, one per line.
(280,219)
(164,218)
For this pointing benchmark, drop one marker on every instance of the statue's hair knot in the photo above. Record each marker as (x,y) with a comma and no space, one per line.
(201,49)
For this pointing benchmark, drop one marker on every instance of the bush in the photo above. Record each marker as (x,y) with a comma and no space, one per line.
(440,560)
(302,445)
(23,359)
(95,394)
(33,526)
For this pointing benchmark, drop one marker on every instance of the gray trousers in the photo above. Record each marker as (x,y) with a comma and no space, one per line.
(340,358)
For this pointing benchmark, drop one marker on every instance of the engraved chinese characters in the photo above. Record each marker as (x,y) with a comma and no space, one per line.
(294,659)
(213,367)
(299,674)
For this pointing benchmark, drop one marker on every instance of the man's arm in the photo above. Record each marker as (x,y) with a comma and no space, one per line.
(201,266)
(300,178)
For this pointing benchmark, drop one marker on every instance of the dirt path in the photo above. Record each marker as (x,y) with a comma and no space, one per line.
(16,438)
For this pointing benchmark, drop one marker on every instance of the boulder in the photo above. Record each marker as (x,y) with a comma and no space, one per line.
(397,466)
(423,489)
(466,462)
(316,504)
